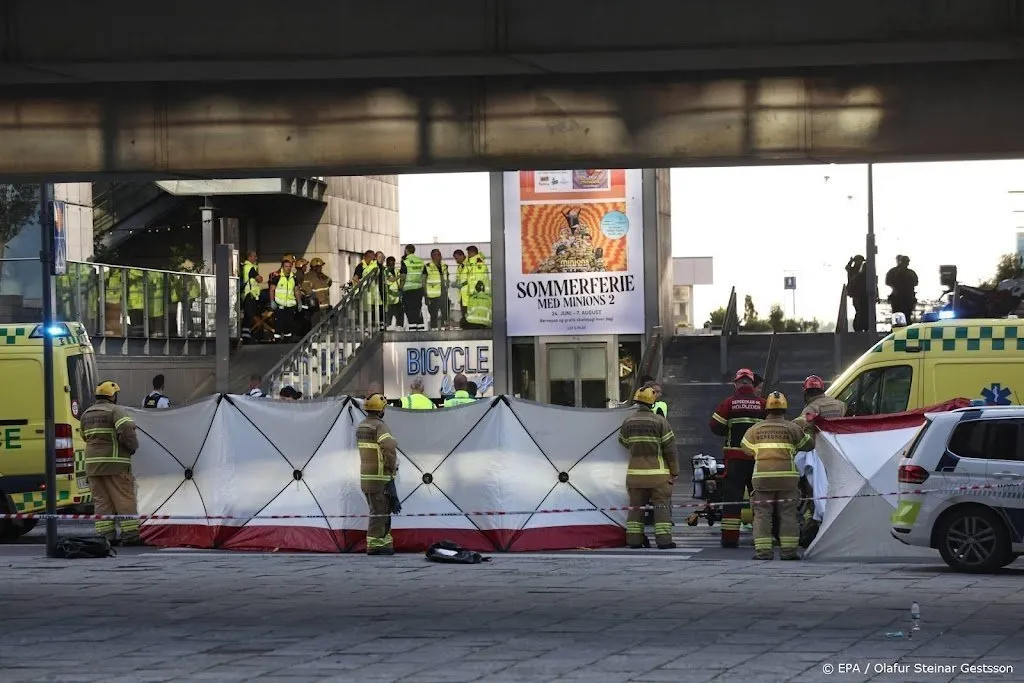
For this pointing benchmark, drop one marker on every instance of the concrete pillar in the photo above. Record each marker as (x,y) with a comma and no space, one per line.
(223,316)
(502,370)
(208,237)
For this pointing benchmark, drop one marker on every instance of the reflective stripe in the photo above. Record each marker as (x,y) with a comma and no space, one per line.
(413,272)
(668,437)
(803,442)
(284,291)
(435,276)
(778,446)
(718,418)
(123,420)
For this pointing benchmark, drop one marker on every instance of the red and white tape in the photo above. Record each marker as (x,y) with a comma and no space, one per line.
(504,513)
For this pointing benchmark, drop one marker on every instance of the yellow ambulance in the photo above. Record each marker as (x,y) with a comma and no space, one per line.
(928,363)
(22,437)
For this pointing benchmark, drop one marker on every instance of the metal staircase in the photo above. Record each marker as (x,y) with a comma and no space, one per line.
(334,348)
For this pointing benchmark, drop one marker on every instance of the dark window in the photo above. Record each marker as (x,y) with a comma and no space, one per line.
(988,439)
(879,392)
(82,381)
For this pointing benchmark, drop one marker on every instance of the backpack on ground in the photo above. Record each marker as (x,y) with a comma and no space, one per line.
(452,553)
(77,548)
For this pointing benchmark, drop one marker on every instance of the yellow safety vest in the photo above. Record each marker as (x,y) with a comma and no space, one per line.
(394,293)
(249,285)
(371,293)
(156,294)
(417,402)
(478,273)
(462,279)
(413,272)
(479,311)
(135,289)
(112,293)
(461,396)
(284,295)
(437,278)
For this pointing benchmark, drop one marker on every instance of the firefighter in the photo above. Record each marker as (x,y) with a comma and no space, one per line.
(817,403)
(653,469)
(417,400)
(773,444)
(110,442)
(731,419)
(317,285)
(378,466)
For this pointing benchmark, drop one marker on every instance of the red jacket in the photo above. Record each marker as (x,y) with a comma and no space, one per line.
(734,416)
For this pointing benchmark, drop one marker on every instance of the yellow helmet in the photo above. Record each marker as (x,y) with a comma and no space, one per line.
(317,261)
(108,389)
(776,401)
(375,403)
(645,396)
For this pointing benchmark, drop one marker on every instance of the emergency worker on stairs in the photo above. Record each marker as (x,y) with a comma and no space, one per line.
(653,469)
(378,466)
(417,400)
(817,403)
(773,444)
(110,442)
(731,419)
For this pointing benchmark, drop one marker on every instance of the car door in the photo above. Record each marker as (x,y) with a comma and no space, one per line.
(1005,470)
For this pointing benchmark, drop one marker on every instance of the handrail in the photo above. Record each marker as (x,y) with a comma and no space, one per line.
(842,331)
(318,359)
(730,326)
(650,362)
(771,365)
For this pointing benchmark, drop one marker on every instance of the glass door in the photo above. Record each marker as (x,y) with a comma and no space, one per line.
(578,375)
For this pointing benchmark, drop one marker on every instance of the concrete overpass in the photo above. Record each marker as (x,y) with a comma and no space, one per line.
(240,88)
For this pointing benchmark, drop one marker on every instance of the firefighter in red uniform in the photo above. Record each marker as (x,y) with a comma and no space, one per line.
(731,419)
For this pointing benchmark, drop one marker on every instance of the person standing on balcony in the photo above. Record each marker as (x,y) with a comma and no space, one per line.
(462,284)
(394,313)
(478,310)
(284,297)
(413,272)
(437,290)
(903,282)
(317,286)
(251,281)
(371,295)
(478,271)
(857,290)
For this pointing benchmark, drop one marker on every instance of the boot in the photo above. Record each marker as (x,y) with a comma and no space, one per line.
(666,546)
(730,544)
(790,556)
(381,551)
(764,556)
(132,540)
(645,543)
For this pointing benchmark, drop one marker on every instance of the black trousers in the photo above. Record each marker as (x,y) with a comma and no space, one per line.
(438,309)
(396,315)
(739,474)
(250,306)
(412,301)
(860,316)
(284,321)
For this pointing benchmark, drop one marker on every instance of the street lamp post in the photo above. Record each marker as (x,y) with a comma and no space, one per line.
(872,251)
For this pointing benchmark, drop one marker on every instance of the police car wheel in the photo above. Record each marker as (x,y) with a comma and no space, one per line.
(13,529)
(973,540)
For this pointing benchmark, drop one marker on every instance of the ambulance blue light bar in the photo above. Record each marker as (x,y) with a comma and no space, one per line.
(54,330)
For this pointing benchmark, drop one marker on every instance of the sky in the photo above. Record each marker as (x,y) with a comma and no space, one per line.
(760,224)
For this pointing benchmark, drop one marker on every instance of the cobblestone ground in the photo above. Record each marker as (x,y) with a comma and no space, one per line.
(190,616)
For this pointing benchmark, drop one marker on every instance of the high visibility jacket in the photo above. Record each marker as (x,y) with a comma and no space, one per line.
(437,279)
(478,311)
(660,408)
(157,294)
(394,292)
(250,288)
(417,402)
(110,439)
(462,280)
(824,406)
(284,295)
(378,455)
(371,292)
(136,290)
(413,272)
(773,444)
(652,449)
(112,292)
(461,396)
(478,273)
(734,416)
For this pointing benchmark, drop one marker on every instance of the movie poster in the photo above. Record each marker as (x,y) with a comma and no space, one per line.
(574,252)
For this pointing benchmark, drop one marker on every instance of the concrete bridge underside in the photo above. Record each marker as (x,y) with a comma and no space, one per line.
(237,88)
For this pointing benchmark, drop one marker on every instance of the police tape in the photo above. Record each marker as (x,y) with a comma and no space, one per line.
(702,505)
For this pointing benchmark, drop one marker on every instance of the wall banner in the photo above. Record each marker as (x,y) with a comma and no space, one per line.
(574,257)
(437,363)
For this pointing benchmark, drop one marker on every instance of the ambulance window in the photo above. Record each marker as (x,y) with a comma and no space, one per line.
(81,382)
(879,391)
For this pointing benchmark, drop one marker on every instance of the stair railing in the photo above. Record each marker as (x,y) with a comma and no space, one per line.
(318,359)
(730,326)
(650,362)
(841,334)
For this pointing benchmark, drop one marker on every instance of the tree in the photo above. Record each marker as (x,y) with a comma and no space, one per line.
(17,204)
(777,318)
(717,318)
(749,312)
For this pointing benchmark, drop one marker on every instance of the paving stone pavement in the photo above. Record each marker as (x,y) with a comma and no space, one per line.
(201,616)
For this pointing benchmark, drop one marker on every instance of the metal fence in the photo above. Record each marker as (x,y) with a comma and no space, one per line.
(118,301)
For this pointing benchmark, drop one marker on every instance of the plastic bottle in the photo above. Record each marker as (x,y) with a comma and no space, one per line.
(915,616)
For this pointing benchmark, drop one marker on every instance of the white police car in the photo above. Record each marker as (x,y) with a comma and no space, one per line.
(974,529)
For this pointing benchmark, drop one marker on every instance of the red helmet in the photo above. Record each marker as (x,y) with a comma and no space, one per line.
(814,382)
(744,373)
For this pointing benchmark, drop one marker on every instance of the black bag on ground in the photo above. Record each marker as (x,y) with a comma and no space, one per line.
(77,548)
(452,553)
